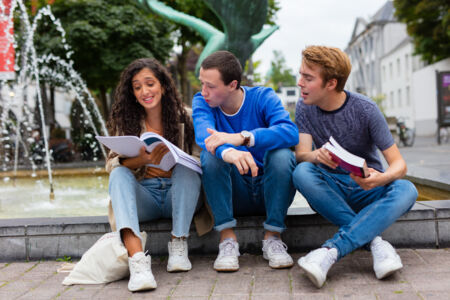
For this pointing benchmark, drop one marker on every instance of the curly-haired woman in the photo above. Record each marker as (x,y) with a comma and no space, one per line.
(146,100)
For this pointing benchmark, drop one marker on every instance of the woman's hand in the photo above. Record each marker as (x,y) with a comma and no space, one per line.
(145,158)
(153,157)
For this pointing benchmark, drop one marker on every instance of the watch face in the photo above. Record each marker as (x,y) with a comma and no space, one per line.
(245,134)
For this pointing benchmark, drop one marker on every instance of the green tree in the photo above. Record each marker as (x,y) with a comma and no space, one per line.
(279,73)
(251,68)
(105,36)
(427,23)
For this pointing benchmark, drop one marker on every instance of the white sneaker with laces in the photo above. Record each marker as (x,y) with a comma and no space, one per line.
(385,260)
(227,260)
(178,256)
(317,263)
(274,250)
(141,277)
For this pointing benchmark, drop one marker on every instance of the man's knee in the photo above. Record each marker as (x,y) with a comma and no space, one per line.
(211,162)
(302,172)
(279,159)
(408,192)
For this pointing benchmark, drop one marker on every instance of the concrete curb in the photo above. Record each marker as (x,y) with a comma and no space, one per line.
(427,225)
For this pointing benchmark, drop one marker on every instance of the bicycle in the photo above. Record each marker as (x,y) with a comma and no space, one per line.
(405,134)
(443,135)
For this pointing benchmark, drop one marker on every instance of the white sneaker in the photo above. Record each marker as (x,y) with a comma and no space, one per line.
(227,260)
(178,256)
(141,277)
(274,250)
(385,260)
(317,263)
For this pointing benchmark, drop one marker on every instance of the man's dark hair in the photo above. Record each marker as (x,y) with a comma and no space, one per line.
(227,64)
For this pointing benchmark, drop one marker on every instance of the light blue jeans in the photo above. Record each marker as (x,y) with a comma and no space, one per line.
(361,215)
(229,193)
(154,198)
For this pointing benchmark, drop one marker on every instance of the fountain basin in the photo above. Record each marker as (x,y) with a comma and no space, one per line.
(77,192)
(84,192)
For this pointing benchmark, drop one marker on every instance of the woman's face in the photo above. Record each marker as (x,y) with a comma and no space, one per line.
(147,90)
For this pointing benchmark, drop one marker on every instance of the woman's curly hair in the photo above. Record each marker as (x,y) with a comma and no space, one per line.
(127,114)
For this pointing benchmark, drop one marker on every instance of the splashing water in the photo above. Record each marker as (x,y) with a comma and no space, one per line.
(16,133)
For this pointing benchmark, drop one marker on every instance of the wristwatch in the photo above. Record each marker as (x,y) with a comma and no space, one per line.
(246,135)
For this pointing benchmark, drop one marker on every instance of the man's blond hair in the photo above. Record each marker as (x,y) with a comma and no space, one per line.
(333,63)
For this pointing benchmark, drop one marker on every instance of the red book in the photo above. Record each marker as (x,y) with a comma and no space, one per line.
(348,161)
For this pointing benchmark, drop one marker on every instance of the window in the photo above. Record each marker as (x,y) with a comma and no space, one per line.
(399,92)
(406,64)
(391,71)
(408,99)
(398,67)
(290,92)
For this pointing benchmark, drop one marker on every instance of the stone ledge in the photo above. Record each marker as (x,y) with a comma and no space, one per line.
(427,225)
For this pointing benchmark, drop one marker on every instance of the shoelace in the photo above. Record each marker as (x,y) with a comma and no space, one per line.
(139,265)
(276,246)
(178,247)
(380,250)
(323,258)
(228,248)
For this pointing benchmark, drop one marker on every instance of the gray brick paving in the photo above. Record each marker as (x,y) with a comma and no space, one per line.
(426,275)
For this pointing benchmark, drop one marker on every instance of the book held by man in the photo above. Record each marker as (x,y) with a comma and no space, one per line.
(348,161)
(129,146)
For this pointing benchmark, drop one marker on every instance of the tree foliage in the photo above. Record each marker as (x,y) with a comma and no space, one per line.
(105,35)
(428,24)
(280,74)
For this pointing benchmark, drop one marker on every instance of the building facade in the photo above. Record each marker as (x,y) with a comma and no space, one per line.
(384,67)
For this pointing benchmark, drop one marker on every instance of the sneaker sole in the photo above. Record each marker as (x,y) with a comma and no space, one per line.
(226,269)
(178,269)
(310,271)
(388,273)
(278,266)
(145,287)
(281,266)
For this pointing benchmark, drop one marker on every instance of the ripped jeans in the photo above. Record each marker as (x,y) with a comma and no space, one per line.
(361,215)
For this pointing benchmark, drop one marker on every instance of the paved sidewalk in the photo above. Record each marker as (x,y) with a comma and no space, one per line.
(426,275)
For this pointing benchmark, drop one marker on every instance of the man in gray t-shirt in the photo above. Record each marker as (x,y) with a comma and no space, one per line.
(362,207)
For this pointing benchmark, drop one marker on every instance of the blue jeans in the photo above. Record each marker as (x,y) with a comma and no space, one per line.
(154,198)
(361,215)
(229,193)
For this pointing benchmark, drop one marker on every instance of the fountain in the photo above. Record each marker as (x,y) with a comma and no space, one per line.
(16,119)
(16,130)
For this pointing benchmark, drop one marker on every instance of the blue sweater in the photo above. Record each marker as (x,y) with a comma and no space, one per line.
(261,113)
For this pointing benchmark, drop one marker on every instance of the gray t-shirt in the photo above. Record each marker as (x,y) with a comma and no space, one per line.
(358,126)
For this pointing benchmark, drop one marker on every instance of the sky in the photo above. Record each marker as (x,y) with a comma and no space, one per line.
(312,22)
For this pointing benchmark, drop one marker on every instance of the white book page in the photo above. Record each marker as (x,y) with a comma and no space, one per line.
(178,155)
(129,146)
(345,155)
(124,145)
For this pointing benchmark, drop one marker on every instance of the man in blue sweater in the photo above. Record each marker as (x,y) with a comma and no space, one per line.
(362,207)
(245,134)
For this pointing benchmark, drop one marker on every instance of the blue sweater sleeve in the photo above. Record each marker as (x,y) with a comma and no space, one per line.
(203,118)
(281,132)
